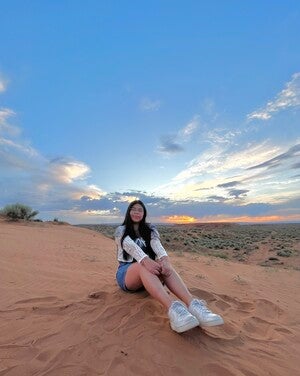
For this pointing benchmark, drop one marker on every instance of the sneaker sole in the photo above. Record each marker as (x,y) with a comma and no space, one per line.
(216,322)
(192,323)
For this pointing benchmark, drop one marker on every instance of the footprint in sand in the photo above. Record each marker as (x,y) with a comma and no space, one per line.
(268,309)
(229,331)
(223,306)
(263,322)
(259,329)
(237,304)
(98,295)
(45,299)
(215,369)
(203,294)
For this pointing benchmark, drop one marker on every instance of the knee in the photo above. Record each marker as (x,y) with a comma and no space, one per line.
(142,270)
(169,272)
(139,267)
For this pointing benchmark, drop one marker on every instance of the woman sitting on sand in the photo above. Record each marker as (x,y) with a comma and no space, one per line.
(144,263)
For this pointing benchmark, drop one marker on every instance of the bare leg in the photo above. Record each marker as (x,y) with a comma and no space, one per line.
(178,288)
(138,276)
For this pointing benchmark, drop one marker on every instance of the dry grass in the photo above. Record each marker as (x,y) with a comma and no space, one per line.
(267,244)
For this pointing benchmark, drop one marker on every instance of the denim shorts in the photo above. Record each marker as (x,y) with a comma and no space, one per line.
(121,273)
(120,276)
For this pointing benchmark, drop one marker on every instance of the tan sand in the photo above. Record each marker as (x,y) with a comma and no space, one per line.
(51,327)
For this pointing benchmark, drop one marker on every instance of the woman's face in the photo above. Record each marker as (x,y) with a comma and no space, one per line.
(136,213)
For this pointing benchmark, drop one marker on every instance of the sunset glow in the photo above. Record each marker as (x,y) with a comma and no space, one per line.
(193,139)
(179,219)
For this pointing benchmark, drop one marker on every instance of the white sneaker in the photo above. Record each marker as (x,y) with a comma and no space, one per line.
(205,317)
(181,319)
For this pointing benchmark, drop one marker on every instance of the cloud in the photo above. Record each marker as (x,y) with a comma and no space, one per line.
(23,148)
(67,171)
(185,133)
(5,126)
(223,160)
(147,104)
(44,183)
(229,184)
(225,175)
(237,193)
(203,189)
(250,219)
(172,144)
(14,153)
(221,136)
(179,219)
(215,198)
(159,206)
(3,84)
(294,151)
(208,106)
(288,97)
(111,213)
(169,146)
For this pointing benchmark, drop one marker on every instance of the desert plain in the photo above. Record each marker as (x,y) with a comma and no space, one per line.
(62,313)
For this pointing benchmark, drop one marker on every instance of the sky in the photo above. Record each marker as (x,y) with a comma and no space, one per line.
(191,106)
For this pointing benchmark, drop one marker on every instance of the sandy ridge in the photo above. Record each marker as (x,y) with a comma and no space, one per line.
(52,325)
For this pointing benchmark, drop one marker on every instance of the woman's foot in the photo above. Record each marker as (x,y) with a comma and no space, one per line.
(205,317)
(181,319)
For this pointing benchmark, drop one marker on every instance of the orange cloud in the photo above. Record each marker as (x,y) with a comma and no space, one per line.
(261,219)
(179,219)
(224,219)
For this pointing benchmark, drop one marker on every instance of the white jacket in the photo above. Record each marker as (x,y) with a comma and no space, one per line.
(133,250)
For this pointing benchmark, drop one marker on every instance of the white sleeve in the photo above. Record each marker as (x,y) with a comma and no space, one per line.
(156,244)
(129,245)
(133,249)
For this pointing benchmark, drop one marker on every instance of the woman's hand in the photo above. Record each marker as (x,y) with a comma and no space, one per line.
(166,267)
(151,265)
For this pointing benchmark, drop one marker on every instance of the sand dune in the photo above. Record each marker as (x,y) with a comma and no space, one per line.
(61,312)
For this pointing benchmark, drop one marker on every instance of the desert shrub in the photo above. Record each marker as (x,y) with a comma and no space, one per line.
(57,221)
(285,253)
(221,255)
(19,211)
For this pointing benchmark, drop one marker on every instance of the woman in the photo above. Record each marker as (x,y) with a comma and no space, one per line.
(144,263)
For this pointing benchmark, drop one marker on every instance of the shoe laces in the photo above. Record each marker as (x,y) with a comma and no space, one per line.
(179,309)
(201,305)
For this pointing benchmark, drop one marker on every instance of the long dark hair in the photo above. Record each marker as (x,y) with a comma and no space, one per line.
(144,229)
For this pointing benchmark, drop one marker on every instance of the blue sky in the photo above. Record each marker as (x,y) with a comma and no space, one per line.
(193,107)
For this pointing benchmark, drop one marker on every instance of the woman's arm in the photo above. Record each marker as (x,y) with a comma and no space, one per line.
(162,256)
(133,249)
(141,257)
(156,244)
(129,245)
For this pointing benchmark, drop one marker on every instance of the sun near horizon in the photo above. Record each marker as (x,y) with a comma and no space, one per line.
(186,219)
(180,219)
(151,115)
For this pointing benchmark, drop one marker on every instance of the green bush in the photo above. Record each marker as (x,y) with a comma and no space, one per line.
(285,253)
(18,211)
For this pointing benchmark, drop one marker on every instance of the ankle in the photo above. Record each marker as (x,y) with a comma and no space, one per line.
(189,301)
(172,302)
